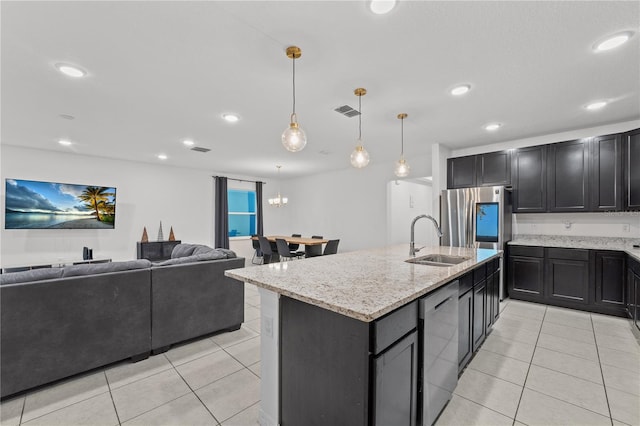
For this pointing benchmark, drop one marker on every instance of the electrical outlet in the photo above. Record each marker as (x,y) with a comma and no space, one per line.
(625,227)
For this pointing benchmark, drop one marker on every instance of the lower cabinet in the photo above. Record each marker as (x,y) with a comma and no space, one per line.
(632,293)
(479,313)
(465,328)
(591,280)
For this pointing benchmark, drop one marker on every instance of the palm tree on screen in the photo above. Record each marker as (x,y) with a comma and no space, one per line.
(94,197)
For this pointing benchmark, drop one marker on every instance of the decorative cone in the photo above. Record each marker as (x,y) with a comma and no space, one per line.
(171,236)
(160,234)
(145,237)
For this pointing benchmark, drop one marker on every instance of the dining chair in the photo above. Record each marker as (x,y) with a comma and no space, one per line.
(283,249)
(257,253)
(312,251)
(293,248)
(265,248)
(331,247)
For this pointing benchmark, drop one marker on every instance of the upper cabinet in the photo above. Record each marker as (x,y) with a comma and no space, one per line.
(606,187)
(461,172)
(568,176)
(529,179)
(596,174)
(632,170)
(490,169)
(493,168)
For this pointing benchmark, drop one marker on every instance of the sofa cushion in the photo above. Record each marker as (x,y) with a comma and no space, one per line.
(175,261)
(31,275)
(103,268)
(202,249)
(202,254)
(184,250)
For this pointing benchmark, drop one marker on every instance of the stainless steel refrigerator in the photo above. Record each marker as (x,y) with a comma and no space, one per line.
(477,217)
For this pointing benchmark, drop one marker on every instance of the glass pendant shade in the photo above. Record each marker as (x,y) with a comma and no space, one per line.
(278,201)
(293,138)
(359,156)
(402,168)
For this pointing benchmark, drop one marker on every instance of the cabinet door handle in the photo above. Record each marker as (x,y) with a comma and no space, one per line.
(442,303)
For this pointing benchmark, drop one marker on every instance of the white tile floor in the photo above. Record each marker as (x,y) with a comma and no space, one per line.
(540,365)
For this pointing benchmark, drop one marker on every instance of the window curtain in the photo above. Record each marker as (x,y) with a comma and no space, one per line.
(259,220)
(221,227)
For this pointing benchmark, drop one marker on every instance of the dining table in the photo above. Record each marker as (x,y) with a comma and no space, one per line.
(310,244)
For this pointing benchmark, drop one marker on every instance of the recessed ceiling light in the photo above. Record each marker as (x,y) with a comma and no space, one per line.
(71,70)
(231,118)
(188,142)
(65,142)
(613,41)
(460,90)
(493,126)
(380,7)
(162,156)
(596,105)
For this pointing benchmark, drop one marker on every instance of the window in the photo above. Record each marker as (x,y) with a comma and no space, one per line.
(242,212)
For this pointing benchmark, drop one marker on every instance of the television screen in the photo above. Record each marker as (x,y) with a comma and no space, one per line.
(48,205)
(487,222)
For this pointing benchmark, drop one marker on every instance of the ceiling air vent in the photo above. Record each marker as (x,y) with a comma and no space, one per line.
(347,111)
(200,149)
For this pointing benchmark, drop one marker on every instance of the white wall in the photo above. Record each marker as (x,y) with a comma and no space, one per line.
(406,201)
(146,194)
(583,224)
(348,204)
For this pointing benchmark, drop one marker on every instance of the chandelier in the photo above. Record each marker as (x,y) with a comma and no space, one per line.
(278,200)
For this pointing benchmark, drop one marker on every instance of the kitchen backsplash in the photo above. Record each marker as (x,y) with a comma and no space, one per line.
(614,224)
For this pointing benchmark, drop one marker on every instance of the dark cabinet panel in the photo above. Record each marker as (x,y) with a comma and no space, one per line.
(567,280)
(609,271)
(632,170)
(493,168)
(156,250)
(488,314)
(465,328)
(568,176)
(526,277)
(529,179)
(479,313)
(461,172)
(495,300)
(606,187)
(395,376)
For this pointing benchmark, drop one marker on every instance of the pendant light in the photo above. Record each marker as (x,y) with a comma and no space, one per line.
(402,167)
(294,138)
(359,156)
(278,200)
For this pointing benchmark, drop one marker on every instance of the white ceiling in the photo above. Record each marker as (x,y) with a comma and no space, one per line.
(160,72)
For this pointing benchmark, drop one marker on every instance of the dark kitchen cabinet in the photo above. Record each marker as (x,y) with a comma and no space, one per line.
(479,313)
(632,170)
(567,275)
(525,277)
(609,278)
(371,368)
(461,172)
(493,168)
(606,187)
(156,250)
(568,176)
(633,291)
(395,378)
(529,179)
(465,320)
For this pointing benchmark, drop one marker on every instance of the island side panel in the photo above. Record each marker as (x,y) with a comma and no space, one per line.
(324,364)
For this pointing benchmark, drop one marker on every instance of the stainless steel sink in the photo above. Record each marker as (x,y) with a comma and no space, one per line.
(435,259)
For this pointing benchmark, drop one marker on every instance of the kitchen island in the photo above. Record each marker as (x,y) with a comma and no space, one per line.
(330,323)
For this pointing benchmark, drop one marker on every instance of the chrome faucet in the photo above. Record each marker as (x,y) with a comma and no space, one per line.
(412,246)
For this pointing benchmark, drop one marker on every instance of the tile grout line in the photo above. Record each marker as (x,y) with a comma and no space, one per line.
(24,404)
(515,415)
(604,383)
(111,396)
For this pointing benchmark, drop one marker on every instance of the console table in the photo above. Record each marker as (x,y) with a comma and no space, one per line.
(156,250)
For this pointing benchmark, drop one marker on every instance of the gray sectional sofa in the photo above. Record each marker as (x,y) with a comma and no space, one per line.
(59,322)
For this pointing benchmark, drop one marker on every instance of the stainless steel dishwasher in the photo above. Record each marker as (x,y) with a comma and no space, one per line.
(439,328)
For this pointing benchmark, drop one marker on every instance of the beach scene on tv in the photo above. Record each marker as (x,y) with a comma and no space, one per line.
(39,205)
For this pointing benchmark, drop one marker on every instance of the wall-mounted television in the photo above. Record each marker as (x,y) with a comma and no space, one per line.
(49,205)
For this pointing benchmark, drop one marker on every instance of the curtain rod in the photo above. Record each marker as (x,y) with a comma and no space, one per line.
(242,180)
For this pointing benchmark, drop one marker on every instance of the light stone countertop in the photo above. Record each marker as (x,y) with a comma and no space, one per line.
(364,285)
(592,243)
